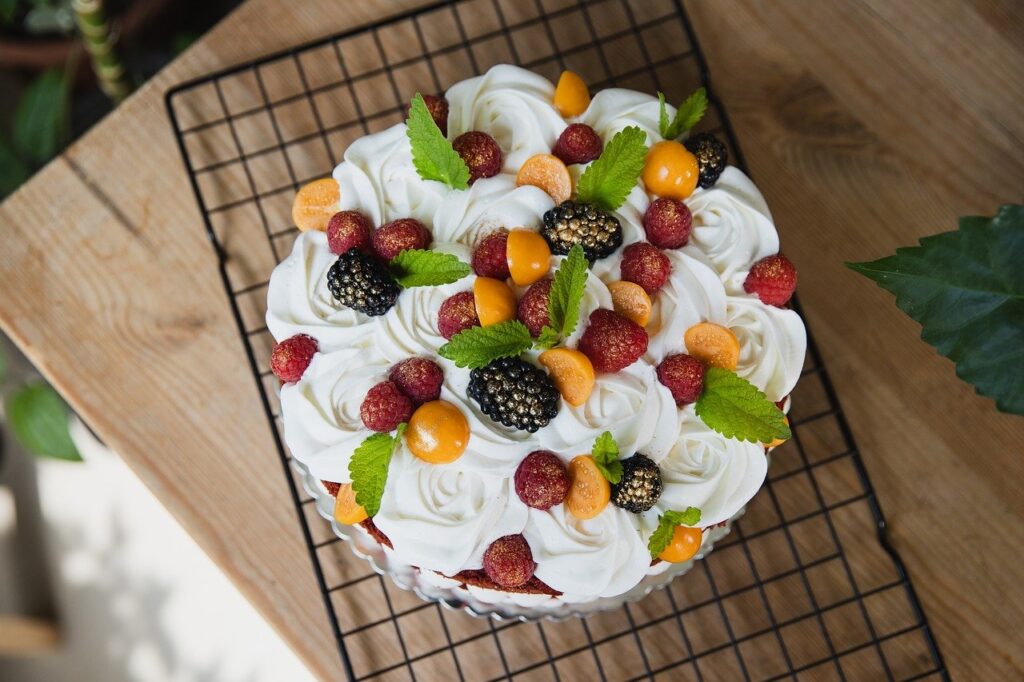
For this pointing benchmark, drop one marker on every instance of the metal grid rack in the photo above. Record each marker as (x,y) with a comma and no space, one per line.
(806,587)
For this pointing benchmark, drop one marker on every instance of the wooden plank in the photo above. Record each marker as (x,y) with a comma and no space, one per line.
(23,636)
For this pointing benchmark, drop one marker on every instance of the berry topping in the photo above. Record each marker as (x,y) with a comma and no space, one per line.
(684,377)
(291,357)
(533,306)
(683,546)
(529,257)
(438,108)
(418,378)
(385,407)
(360,282)
(438,432)
(570,223)
(578,143)
(315,203)
(400,235)
(495,301)
(640,486)
(571,95)
(457,313)
(645,265)
(631,301)
(347,511)
(348,230)
(489,258)
(711,157)
(773,279)
(612,342)
(589,491)
(509,561)
(668,223)
(572,373)
(480,152)
(549,174)
(515,393)
(670,170)
(713,345)
(541,480)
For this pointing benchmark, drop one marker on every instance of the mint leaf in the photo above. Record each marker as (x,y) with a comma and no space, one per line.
(734,407)
(478,346)
(432,154)
(606,456)
(548,338)
(664,125)
(39,421)
(420,267)
(667,523)
(368,468)
(566,292)
(966,289)
(608,180)
(689,114)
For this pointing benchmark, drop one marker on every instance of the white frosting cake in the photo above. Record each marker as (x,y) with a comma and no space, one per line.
(441,518)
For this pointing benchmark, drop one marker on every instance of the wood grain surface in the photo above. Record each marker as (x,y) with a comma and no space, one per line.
(867,124)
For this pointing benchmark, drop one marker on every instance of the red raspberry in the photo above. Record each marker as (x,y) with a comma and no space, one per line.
(438,108)
(348,230)
(332,487)
(418,378)
(291,357)
(400,235)
(489,259)
(578,143)
(533,306)
(668,223)
(541,480)
(684,377)
(457,313)
(773,279)
(509,561)
(612,342)
(480,152)
(645,265)
(385,407)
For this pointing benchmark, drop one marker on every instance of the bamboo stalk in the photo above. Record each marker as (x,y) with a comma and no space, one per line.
(101,43)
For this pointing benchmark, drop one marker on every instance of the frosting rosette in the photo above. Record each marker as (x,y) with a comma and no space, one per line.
(692,294)
(488,205)
(773,342)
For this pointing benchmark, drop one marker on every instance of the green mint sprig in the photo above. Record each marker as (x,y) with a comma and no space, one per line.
(368,468)
(421,267)
(609,179)
(564,298)
(479,346)
(689,113)
(606,456)
(432,153)
(735,408)
(667,523)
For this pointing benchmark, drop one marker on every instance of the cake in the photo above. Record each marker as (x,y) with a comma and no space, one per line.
(535,344)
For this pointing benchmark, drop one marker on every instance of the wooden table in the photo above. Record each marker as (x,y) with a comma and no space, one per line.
(867,123)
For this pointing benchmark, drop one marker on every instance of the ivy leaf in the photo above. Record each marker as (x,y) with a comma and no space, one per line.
(667,523)
(421,267)
(478,346)
(368,468)
(606,456)
(609,179)
(432,153)
(966,289)
(39,421)
(734,407)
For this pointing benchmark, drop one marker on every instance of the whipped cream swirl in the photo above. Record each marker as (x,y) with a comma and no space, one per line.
(489,204)
(773,342)
(692,294)
(613,109)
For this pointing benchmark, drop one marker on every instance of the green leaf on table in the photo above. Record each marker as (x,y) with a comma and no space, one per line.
(39,421)
(966,289)
(609,179)
(667,523)
(479,346)
(606,456)
(40,119)
(13,170)
(735,408)
(432,153)
(422,267)
(689,114)
(368,468)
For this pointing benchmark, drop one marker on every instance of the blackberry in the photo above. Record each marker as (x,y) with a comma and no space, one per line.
(711,157)
(360,282)
(640,485)
(515,393)
(571,223)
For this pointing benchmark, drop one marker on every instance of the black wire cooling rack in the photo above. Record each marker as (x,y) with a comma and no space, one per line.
(806,587)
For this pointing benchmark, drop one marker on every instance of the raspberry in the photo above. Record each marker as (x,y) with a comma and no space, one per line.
(480,152)
(418,378)
(684,377)
(612,342)
(533,306)
(578,143)
(438,108)
(332,487)
(645,265)
(509,561)
(489,258)
(291,357)
(457,313)
(348,230)
(773,279)
(385,407)
(541,480)
(668,223)
(400,235)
